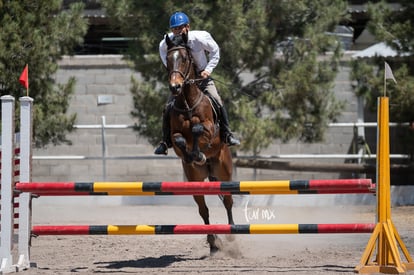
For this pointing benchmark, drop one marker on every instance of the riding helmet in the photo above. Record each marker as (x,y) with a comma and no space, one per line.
(178,18)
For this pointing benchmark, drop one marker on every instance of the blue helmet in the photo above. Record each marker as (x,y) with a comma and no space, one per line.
(178,18)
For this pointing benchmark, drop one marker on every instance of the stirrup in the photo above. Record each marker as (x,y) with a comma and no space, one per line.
(231,140)
(162,149)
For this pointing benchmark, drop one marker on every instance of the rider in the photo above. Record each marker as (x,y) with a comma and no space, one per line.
(199,43)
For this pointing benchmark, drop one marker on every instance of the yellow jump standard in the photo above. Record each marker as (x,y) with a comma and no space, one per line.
(385,236)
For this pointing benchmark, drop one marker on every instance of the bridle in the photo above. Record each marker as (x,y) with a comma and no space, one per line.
(186,74)
(187,80)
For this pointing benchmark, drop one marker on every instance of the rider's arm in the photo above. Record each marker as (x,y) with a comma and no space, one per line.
(163,52)
(213,49)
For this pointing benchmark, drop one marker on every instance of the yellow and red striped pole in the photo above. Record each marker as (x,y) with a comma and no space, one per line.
(326,186)
(202,229)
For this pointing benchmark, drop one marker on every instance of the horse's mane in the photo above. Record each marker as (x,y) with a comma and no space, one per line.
(178,41)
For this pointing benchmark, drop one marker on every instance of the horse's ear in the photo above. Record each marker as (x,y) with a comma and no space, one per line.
(184,36)
(168,41)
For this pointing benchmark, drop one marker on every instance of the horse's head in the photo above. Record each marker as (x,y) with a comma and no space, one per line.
(179,62)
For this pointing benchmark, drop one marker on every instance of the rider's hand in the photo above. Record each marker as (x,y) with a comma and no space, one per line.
(205,74)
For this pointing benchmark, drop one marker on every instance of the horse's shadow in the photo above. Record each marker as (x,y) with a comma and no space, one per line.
(148,262)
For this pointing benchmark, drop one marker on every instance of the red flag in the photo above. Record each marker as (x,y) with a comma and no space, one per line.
(24,77)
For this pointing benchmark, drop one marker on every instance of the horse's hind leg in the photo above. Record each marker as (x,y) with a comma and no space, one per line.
(228,204)
(203,210)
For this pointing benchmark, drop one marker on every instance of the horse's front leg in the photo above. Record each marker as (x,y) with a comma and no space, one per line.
(196,154)
(181,143)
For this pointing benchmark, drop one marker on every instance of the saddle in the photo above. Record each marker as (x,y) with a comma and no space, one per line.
(215,106)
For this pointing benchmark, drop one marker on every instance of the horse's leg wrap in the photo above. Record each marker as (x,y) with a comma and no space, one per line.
(197,129)
(198,157)
(182,144)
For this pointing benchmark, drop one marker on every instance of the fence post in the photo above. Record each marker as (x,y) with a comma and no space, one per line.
(25,203)
(7,181)
(103,125)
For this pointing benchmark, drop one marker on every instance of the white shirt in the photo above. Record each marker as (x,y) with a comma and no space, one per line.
(199,43)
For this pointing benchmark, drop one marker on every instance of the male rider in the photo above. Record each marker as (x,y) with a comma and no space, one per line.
(206,55)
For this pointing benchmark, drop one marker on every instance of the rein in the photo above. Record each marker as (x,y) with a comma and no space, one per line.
(185,75)
(187,107)
(187,81)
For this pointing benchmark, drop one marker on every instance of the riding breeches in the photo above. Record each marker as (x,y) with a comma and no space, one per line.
(208,86)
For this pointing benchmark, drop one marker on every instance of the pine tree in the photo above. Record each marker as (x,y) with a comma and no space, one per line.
(278,42)
(38,33)
(395,26)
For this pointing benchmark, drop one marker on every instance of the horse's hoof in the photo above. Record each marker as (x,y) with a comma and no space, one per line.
(215,244)
(213,250)
(202,161)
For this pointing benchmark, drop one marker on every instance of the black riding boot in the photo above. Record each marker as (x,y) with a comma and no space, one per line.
(226,134)
(166,143)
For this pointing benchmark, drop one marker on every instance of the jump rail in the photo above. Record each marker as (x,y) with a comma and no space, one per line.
(202,229)
(387,259)
(206,188)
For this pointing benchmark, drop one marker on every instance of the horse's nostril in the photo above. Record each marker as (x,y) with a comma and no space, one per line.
(175,88)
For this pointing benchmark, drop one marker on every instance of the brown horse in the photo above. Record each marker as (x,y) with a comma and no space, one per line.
(194,133)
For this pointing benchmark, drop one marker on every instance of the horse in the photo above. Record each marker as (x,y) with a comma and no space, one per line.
(195,134)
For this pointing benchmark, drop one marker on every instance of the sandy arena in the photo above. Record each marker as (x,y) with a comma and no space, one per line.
(189,254)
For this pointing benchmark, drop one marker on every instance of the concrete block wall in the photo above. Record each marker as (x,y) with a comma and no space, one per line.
(110,76)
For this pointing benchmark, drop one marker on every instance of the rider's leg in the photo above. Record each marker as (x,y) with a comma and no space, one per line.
(166,143)
(226,134)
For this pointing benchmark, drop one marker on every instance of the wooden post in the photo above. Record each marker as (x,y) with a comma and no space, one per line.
(7,182)
(25,202)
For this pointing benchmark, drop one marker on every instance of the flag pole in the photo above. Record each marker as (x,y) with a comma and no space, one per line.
(27,88)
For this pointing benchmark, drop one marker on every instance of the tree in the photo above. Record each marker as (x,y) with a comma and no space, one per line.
(396,28)
(38,33)
(278,42)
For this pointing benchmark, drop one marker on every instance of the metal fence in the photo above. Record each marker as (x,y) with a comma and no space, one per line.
(360,156)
